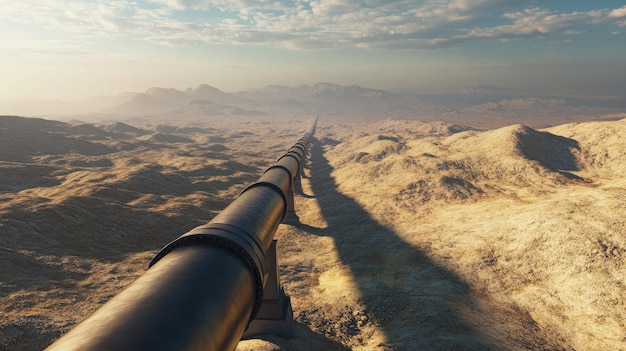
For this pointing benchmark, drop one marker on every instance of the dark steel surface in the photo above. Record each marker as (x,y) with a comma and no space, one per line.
(176,305)
(205,287)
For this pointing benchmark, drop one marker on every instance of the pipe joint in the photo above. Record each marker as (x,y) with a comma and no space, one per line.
(272,186)
(295,156)
(238,242)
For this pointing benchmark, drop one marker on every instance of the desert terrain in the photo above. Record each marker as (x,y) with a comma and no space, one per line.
(413,235)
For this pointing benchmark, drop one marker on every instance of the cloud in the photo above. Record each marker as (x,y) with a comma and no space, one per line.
(465,5)
(312,24)
(536,22)
(184,4)
(618,13)
(93,19)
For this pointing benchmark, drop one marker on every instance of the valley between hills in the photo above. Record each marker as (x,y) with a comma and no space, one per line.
(413,235)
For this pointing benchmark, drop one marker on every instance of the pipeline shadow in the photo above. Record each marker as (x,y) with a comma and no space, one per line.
(418,304)
(302,338)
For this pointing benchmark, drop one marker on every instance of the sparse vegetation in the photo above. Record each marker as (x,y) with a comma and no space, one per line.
(413,235)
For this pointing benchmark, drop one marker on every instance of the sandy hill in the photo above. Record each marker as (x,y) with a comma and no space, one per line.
(119,127)
(413,236)
(23,139)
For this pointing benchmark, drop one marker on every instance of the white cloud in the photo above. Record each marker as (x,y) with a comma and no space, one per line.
(532,23)
(618,13)
(307,24)
(465,5)
(184,4)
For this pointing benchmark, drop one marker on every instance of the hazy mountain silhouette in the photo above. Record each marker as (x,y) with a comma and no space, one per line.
(482,106)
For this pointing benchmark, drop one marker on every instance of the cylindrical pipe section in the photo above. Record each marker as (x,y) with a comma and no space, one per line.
(296,150)
(195,298)
(203,288)
(290,162)
(258,212)
(300,146)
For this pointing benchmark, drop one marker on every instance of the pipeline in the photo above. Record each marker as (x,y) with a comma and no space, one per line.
(202,289)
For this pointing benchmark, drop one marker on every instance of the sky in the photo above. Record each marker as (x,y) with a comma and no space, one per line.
(56,49)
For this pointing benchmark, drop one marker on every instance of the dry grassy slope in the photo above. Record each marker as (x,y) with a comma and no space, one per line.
(413,236)
(533,221)
(83,209)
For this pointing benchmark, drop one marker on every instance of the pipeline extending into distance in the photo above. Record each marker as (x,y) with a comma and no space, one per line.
(202,289)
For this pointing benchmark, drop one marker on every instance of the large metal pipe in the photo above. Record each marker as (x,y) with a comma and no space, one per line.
(202,289)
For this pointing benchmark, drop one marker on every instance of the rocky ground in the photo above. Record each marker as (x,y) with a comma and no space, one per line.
(413,236)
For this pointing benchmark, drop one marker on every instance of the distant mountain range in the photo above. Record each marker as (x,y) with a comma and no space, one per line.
(482,106)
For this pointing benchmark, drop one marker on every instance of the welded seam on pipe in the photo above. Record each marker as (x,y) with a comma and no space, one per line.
(240,242)
(296,151)
(291,154)
(272,186)
(291,176)
(236,241)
